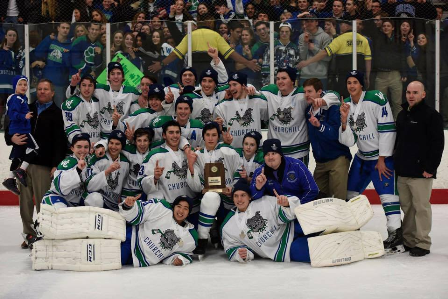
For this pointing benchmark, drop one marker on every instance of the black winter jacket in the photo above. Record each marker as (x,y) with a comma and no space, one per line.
(420,141)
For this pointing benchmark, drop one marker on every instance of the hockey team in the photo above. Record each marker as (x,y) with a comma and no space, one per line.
(144,155)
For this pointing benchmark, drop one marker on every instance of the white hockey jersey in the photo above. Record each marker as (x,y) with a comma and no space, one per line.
(67,182)
(253,163)
(131,186)
(156,236)
(81,116)
(108,99)
(204,106)
(287,121)
(372,126)
(223,153)
(139,119)
(192,131)
(173,181)
(109,186)
(242,116)
(265,228)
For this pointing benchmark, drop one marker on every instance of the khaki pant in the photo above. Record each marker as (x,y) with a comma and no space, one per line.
(414,201)
(391,81)
(38,181)
(331,177)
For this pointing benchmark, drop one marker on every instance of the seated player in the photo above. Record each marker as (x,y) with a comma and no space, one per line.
(251,155)
(136,153)
(267,228)
(158,232)
(108,174)
(67,186)
(288,176)
(213,152)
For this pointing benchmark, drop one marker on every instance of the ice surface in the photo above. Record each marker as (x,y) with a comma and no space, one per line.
(396,276)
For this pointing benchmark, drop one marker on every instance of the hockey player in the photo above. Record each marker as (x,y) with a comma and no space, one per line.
(241,112)
(108,174)
(213,152)
(207,96)
(67,187)
(332,157)
(143,117)
(251,155)
(367,120)
(164,170)
(191,128)
(81,113)
(286,175)
(267,228)
(188,77)
(136,153)
(286,110)
(159,232)
(114,98)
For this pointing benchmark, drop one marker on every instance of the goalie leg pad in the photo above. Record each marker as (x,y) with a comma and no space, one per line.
(76,255)
(344,248)
(80,222)
(329,215)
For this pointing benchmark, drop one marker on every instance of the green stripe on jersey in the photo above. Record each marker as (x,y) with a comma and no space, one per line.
(279,256)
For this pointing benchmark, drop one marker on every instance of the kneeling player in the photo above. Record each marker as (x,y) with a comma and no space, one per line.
(158,233)
(67,186)
(267,228)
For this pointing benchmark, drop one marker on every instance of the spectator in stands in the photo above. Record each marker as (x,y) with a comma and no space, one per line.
(107,8)
(76,17)
(85,8)
(284,17)
(275,9)
(128,44)
(86,51)
(236,29)
(311,42)
(338,9)
(116,43)
(330,28)
(390,65)
(98,16)
(439,10)
(250,12)
(152,8)
(303,5)
(341,48)
(179,14)
(12,11)
(138,18)
(376,7)
(156,23)
(80,30)
(11,64)
(146,29)
(406,35)
(351,9)
(123,11)
(262,32)
(244,49)
(202,10)
(225,13)
(411,9)
(55,51)
(263,16)
(223,30)
(321,11)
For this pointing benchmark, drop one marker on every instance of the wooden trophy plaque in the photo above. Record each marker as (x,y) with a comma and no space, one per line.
(214,177)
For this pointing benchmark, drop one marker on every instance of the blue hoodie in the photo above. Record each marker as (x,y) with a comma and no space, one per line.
(17,108)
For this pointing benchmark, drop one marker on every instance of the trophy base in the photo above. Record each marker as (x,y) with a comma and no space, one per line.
(217,190)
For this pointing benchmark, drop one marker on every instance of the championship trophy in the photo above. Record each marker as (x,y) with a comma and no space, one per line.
(214,177)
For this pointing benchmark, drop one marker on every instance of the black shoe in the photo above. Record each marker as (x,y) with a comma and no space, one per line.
(407,248)
(417,251)
(202,247)
(24,245)
(11,185)
(29,240)
(20,174)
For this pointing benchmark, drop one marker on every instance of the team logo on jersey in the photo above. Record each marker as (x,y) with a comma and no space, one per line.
(68,104)
(92,121)
(244,121)
(65,163)
(206,116)
(284,116)
(89,55)
(112,182)
(291,177)
(256,224)
(136,169)
(180,172)
(55,55)
(360,123)
(168,239)
(109,108)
